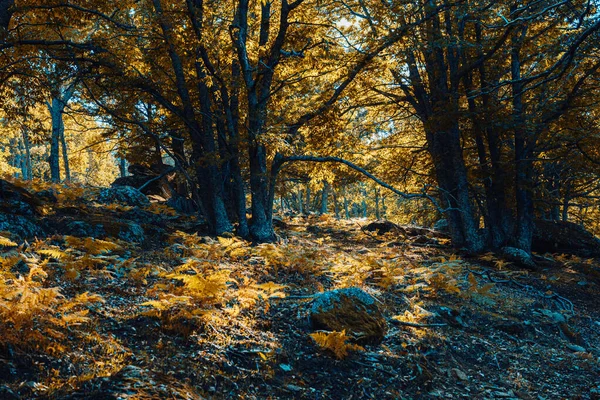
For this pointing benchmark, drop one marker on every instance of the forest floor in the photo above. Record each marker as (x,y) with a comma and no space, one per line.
(185,316)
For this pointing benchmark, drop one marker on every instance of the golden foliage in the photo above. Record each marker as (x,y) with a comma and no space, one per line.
(33,315)
(6,242)
(335,342)
(91,245)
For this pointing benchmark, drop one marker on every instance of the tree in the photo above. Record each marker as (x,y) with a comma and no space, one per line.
(454,76)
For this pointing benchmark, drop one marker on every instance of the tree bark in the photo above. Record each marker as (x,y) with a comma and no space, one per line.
(325,198)
(56,134)
(522,153)
(65,151)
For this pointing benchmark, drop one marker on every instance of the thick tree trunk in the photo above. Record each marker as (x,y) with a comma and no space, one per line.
(451,173)
(54,159)
(377,212)
(122,167)
(232,117)
(65,151)
(203,143)
(27,172)
(325,198)
(523,154)
(261,228)
(346,210)
(336,205)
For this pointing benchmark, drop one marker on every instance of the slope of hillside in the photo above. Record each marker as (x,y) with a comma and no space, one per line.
(171,313)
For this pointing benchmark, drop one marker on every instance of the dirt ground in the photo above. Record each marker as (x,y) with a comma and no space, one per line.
(458,326)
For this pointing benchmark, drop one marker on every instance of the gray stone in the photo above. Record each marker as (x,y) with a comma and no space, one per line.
(518,256)
(21,226)
(125,195)
(16,200)
(351,310)
(98,228)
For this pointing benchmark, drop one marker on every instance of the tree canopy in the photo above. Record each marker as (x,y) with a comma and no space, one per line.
(481,112)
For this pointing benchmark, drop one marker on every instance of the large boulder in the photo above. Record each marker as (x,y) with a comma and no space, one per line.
(351,310)
(104,228)
(517,256)
(19,210)
(381,227)
(564,237)
(23,227)
(125,195)
(16,200)
(154,180)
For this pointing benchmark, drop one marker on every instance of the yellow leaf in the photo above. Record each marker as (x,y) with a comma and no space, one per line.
(6,242)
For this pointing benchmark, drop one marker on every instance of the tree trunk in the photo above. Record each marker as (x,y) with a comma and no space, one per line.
(324,198)
(27,167)
(377,213)
(346,211)
(523,154)
(65,151)
(451,173)
(307,207)
(54,159)
(201,134)
(336,205)
(122,167)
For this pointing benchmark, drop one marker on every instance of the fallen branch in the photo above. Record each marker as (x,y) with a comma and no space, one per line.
(167,172)
(416,325)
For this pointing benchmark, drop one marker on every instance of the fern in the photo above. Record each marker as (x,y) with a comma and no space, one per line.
(91,245)
(32,314)
(204,288)
(335,342)
(6,242)
(480,295)
(55,253)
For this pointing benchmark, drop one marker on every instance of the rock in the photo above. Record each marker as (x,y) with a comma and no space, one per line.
(125,230)
(285,367)
(141,216)
(48,195)
(518,256)
(125,195)
(25,227)
(381,227)
(294,388)
(458,374)
(564,237)
(441,225)
(100,229)
(16,200)
(154,180)
(352,310)
(556,317)
(83,229)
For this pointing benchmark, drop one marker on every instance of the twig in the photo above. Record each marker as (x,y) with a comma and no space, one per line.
(416,325)
(167,172)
